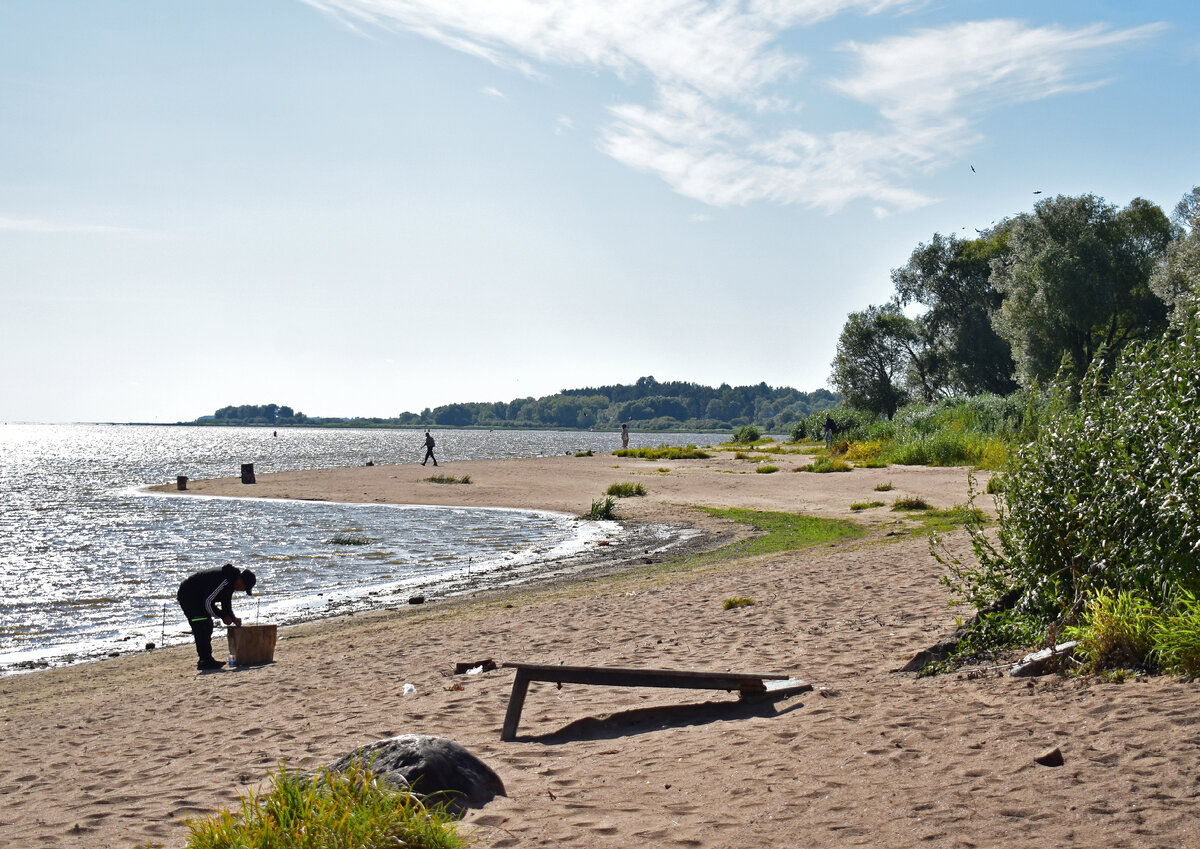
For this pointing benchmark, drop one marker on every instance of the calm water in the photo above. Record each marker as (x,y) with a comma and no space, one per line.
(90,565)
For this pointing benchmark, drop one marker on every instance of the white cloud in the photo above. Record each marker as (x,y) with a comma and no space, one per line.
(563,124)
(492,91)
(37,225)
(723,123)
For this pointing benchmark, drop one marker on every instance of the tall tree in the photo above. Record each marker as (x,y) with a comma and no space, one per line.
(874,354)
(952,278)
(1076,280)
(1177,278)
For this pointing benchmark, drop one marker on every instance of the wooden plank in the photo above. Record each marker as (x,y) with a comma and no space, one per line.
(748,684)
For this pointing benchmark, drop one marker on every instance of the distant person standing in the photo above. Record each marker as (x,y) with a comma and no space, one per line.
(429,443)
(830,427)
(624,435)
(207,594)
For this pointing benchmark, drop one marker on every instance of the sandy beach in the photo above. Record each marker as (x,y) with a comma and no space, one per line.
(116,753)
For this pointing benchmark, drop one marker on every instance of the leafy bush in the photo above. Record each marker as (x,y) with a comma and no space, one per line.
(747,434)
(626,490)
(1106,498)
(347,808)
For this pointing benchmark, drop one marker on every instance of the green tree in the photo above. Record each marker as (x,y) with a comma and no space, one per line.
(962,353)
(874,354)
(1076,280)
(1177,278)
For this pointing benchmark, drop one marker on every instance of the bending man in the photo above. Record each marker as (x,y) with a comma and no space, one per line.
(206,595)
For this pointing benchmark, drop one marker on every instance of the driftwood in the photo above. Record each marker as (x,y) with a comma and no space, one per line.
(1044,661)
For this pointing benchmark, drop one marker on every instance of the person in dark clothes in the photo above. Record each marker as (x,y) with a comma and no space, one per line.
(209,594)
(429,449)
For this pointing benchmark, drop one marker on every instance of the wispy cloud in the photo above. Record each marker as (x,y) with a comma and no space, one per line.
(38,225)
(563,124)
(722,123)
(492,91)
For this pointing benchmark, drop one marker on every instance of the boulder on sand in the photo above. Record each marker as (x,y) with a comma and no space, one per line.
(429,766)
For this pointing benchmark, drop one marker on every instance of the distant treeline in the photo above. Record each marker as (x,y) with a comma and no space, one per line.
(645,405)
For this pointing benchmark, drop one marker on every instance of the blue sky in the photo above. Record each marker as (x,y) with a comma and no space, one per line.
(360,207)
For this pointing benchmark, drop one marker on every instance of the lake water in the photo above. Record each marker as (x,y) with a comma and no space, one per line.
(90,565)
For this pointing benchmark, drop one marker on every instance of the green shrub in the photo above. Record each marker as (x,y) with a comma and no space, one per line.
(747,434)
(766,470)
(603,508)
(626,490)
(349,809)
(1106,498)
(1116,630)
(731,603)
(587,453)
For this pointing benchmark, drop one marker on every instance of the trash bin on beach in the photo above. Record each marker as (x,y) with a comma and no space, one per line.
(247,473)
(252,644)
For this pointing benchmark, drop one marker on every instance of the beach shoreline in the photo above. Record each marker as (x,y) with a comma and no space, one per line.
(115,753)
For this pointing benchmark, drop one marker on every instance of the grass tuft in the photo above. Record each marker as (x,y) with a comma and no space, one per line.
(664,452)
(910,502)
(738,601)
(865,505)
(602,509)
(449,479)
(626,490)
(766,470)
(349,808)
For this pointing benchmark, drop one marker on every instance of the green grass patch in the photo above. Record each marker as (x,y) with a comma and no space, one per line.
(664,452)
(449,479)
(910,502)
(884,487)
(822,465)
(349,809)
(733,603)
(865,505)
(626,490)
(587,453)
(766,470)
(780,532)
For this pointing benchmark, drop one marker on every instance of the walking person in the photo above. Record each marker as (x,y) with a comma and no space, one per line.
(429,443)
(209,594)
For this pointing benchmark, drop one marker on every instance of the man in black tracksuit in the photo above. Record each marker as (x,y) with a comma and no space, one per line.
(207,594)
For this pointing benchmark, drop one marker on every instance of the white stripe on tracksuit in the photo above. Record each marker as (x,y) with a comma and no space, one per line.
(208,602)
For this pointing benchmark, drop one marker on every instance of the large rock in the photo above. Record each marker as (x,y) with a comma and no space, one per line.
(430,766)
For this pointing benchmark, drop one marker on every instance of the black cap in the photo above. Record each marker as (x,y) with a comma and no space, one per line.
(248,581)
